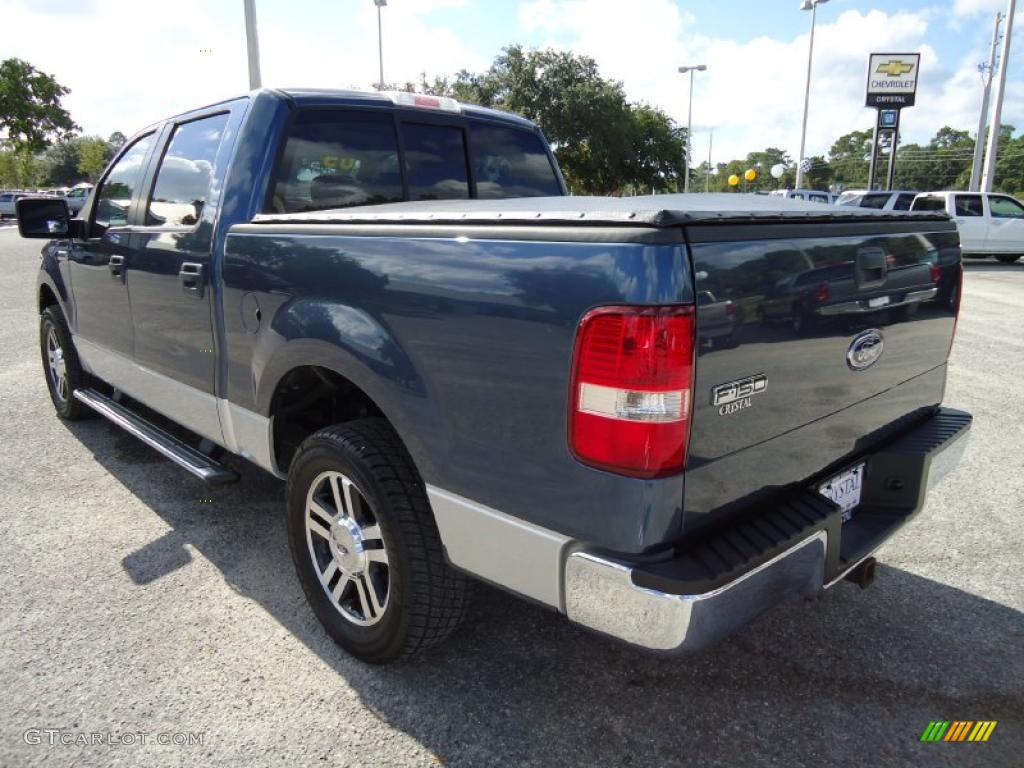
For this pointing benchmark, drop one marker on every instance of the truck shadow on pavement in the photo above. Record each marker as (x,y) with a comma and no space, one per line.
(850,678)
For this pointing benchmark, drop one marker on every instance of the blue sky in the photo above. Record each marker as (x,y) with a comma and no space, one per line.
(750,97)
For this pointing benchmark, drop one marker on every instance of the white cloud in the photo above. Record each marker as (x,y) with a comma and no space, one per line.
(972,7)
(131,62)
(752,93)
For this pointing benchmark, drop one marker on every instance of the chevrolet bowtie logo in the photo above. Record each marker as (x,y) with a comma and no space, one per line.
(894,68)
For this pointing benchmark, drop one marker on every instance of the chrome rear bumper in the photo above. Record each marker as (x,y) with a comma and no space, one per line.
(603,594)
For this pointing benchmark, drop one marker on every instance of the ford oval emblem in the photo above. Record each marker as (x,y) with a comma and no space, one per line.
(865,349)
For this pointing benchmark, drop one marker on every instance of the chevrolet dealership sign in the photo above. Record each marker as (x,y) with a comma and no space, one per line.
(892,79)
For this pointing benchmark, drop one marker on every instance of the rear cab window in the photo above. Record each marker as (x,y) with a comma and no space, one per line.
(929,203)
(876,201)
(339,158)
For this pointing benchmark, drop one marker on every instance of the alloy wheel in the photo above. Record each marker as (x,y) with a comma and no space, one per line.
(347,548)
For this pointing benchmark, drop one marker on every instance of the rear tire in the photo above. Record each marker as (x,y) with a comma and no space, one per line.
(61,365)
(366,549)
(1007,258)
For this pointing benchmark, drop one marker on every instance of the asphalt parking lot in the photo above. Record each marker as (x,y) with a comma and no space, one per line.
(135,599)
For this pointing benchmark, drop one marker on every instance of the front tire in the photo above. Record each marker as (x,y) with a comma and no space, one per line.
(366,549)
(61,366)
(1007,258)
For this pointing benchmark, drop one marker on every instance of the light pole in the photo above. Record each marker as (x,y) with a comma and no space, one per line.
(987,71)
(689,120)
(988,173)
(252,44)
(812,6)
(380,42)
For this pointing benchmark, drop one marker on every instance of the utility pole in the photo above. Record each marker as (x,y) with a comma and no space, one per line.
(689,120)
(252,43)
(707,176)
(988,177)
(380,42)
(987,73)
(812,6)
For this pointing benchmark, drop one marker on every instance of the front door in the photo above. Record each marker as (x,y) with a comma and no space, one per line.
(170,279)
(1006,231)
(98,264)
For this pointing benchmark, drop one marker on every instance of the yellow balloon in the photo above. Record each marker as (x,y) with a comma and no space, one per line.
(734,180)
(750,174)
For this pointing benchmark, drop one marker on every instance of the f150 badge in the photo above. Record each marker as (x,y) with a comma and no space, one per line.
(736,395)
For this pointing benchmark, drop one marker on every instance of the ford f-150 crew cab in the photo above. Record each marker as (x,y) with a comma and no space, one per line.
(455,384)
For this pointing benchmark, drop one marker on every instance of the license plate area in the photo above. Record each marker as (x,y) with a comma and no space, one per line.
(845,489)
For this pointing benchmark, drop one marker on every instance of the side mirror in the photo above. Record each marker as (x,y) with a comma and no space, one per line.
(43,217)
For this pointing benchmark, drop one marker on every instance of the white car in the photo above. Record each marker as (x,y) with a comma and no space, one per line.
(76,197)
(7,200)
(812,195)
(989,223)
(895,200)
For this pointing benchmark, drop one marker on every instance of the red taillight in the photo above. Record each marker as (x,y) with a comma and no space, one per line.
(632,383)
(730,310)
(822,293)
(935,273)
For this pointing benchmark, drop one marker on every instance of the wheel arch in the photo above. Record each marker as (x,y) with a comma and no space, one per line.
(311,384)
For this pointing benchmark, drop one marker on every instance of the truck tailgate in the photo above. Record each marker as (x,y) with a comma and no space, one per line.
(839,341)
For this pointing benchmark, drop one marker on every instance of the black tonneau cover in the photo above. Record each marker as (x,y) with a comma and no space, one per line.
(646,211)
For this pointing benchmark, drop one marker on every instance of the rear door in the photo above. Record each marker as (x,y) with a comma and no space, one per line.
(969,212)
(1006,228)
(170,279)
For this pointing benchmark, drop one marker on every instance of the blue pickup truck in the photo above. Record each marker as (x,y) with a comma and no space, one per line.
(388,301)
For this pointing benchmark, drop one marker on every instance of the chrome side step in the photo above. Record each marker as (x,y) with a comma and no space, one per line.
(185,456)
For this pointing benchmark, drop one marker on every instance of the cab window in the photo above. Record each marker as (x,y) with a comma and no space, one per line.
(186,170)
(1005,208)
(932,203)
(511,163)
(875,201)
(117,190)
(337,159)
(435,162)
(969,205)
(903,202)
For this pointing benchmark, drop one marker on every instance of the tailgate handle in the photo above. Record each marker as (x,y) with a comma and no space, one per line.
(872,267)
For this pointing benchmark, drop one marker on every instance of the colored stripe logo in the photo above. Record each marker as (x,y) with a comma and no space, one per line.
(958,730)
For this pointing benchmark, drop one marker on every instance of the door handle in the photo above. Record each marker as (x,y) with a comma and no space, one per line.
(116,267)
(191,277)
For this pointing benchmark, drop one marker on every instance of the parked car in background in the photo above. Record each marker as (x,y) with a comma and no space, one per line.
(810,195)
(989,224)
(76,197)
(895,200)
(7,200)
(721,322)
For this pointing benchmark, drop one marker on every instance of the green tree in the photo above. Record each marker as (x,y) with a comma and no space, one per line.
(116,140)
(60,164)
(604,143)
(850,157)
(31,114)
(93,155)
(20,169)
